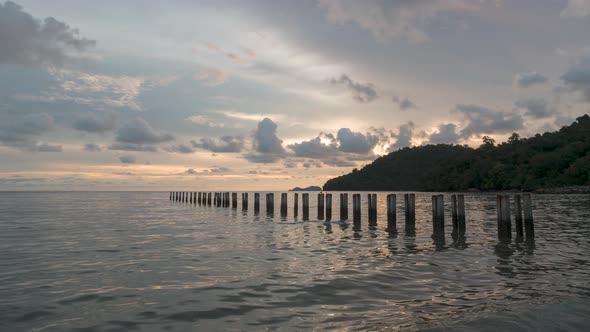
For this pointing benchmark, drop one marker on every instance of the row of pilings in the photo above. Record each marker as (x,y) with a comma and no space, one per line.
(522,207)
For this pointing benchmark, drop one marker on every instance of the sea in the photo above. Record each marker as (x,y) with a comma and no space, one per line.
(136,261)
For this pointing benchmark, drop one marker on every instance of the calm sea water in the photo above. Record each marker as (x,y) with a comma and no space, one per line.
(120,261)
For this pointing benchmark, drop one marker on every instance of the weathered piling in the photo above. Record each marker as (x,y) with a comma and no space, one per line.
(227,199)
(184,196)
(356,208)
(283,205)
(209,199)
(518,217)
(295,204)
(372,208)
(503,215)
(191,198)
(270,203)
(328,206)
(320,206)
(454,213)
(343,206)
(438,214)
(410,211)
(305,203)
(461,214)
(256,202)
(529,227)
(391,212)
(200,198)
(234,200)
(244,201)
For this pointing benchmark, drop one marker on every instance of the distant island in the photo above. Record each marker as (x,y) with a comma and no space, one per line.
(311,188)
(551,160)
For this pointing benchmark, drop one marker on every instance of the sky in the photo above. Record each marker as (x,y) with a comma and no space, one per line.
(272,94)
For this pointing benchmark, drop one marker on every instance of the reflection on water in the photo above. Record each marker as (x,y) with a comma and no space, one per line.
(124,261)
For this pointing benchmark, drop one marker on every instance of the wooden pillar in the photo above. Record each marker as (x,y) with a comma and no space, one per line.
(461,214)
(234,200)
(356,208)
(199,198)
(270,203)
(283,205)
(503,214)
(320,206)
(410,211)
(295,204)
(374,208)
(343,206)
(328,206)
(244,201)
(529,227)
(305,202)
(209,199)
(391,212)
(518,217)
(256,202)
(438,214)
(454,213)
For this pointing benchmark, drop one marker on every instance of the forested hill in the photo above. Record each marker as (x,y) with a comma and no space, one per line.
(549,160)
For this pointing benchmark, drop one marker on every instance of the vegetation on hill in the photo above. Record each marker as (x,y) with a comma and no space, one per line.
(550,160)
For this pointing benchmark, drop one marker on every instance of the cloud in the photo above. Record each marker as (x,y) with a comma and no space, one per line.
(267,146)
(535,108)
(356,142)
(25,40)
(576,9)
(481,120)
(403,137)
(138,131)
(212,76)
(526,80)
(315,148)
(46,147)
(577,77)
(23,131)
(127,159)
(190,171)
(447,134)
(132,147)
(91,147)
(204,121)
(363,93)
(225,144)
(96,122)
(250,116)
(180,148)
(404,104)
(387,19)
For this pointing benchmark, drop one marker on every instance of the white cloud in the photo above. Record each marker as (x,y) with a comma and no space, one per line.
(576,9)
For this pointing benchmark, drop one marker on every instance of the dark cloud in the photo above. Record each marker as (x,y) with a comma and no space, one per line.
(24,40)
(22,131)
(363,93)
(132,147)
(46,147)
(403,137)
(481,120)
(225,144)
(577,77)
(220,170)
(190,171)
(404,104)
(447,134)
(91,147)
(341,150)
(314,148)
(535,108)
(525,80)
(355,142)
(96,122)
(267,146)
(181,148)
(139,131)
(127,159)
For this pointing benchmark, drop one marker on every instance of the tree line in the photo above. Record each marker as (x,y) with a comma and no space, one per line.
(549,160)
